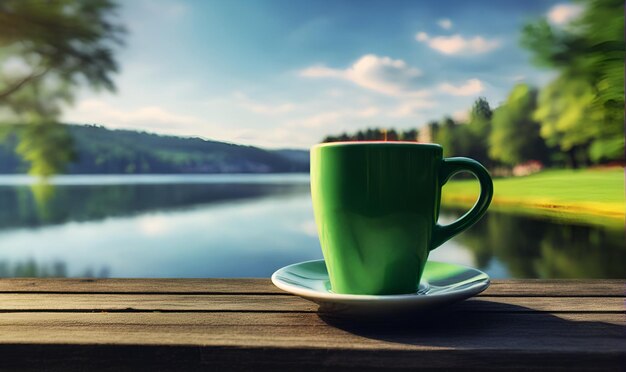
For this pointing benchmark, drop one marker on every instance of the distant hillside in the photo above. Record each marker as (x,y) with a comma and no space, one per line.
(105,151)
(298,156)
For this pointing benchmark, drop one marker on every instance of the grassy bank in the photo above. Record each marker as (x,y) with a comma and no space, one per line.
(577,194)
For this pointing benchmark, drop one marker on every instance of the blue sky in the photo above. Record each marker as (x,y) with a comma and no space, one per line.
(285,73)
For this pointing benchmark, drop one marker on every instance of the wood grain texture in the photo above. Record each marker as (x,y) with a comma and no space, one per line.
(102,357)
(162,286)
(517,287)
(248,324)
(287,303)
(501,331)
(502,340)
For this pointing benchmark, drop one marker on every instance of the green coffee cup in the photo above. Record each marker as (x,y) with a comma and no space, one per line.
(376,206)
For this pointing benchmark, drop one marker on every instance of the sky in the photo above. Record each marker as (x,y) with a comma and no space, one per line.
(286,73)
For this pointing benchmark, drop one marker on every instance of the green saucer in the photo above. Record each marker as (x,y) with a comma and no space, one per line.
(442,284)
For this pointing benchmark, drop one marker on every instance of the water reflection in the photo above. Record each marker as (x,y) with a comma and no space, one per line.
(44,204)
(30,268)
(242,228)
(157,230)
(543,248)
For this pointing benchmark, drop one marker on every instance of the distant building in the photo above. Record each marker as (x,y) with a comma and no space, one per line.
(427,133)
(527,168)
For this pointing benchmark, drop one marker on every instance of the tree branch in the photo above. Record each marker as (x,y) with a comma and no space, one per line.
(17,86)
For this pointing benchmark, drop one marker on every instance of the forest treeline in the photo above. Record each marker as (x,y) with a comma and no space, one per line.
(96,149)
(577,119)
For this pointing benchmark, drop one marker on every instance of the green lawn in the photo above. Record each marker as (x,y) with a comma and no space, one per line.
(588,192)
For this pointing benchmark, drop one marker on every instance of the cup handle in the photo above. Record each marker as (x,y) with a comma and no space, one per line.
(448,168)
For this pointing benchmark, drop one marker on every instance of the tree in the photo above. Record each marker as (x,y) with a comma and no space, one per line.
(480,118)
(582,110)
(515,136)
(567,118)
(390,135)
(49,49)
(409,135)
(47,147)
(479,129)
(466,143)
(449,135)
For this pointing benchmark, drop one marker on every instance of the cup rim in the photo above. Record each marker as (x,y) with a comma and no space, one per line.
(391,143)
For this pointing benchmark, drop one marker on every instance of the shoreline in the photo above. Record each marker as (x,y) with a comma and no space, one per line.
(579,195)
(597,209)
(588,214)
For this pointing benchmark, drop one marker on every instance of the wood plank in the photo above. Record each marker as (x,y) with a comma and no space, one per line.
(173,286)
(473,340)
(243,324)
(507,288)
(152,302)
(96,357)
(557,287)
(589,332)
(185,302)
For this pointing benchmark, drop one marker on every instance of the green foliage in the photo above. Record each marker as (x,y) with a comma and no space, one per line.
(447,137)
(374,134)
(54,47)
(582,110)
(478,131)
(480,118)
(538,247)
(31,269)
(457,139)
(515,136)
(47,147)
(567,117)
(409,135)
(58,44)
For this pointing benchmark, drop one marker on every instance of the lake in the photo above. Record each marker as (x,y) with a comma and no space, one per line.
(204,226)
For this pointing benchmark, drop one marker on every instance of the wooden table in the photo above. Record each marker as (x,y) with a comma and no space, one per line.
(248,324)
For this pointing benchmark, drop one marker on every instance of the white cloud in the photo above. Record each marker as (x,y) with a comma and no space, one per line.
(148,118)
(323,72)
(380,74)
(335,93)
(563,13)
(470,87)
(262,108)
(457,44)
(270,110)
(368,112)
(319,120)
(410,108)
(445,23)
(278,137)
(332,117)
(421,36)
